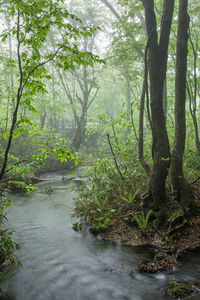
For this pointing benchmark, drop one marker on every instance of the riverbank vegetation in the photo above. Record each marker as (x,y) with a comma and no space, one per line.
(118,82)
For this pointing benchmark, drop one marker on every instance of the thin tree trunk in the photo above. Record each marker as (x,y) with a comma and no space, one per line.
(192,93)
(15,113)
(12,87)
(128,99)
(192,107)
(141,132)
(180,186)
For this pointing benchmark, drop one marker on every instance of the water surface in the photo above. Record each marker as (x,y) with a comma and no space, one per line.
(61,264)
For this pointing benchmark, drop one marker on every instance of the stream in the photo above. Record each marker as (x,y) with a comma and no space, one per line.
(61,264)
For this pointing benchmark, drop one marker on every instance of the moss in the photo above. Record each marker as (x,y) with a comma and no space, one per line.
(159,256)
(180,288)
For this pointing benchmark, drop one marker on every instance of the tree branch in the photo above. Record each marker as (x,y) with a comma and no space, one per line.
(93,98)
(114,157)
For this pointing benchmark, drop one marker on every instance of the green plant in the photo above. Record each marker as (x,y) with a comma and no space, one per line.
(166,237)
(173,282)
(101,224)
(99,205)
(101,219)
(7,245)
(131,198)
(103,200)
(77,226)
(31,25)
(176,214)
(142,219)
(179,288)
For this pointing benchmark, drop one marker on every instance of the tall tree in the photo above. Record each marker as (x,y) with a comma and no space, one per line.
(157,65)
(180,186)
(193,88)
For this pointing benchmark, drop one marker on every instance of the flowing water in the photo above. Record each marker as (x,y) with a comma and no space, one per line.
(61,264)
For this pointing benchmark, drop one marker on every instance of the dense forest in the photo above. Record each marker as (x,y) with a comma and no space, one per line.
(114,86)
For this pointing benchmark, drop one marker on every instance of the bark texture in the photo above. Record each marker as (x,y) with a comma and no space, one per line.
(180,186)
(157,64)
(143,162)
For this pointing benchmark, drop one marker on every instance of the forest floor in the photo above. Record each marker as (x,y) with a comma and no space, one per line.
(174,239)
(171,241)
(172,246)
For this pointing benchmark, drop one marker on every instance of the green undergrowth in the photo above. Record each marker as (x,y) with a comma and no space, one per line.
(179,289)
(8,246)
(110,199)
(105,199)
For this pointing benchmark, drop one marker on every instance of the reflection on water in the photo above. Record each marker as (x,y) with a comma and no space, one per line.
(60,264)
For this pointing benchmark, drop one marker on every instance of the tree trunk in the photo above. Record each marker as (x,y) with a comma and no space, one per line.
(165,98)
(157,64)
(180,187)
(80,132)
(192,89)
(193,106)
(141,131)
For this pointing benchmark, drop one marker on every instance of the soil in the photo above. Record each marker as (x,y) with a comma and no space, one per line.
(184,239)
(174,238)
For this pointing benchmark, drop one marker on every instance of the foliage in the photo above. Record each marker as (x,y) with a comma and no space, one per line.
(176,214)
(22,165)
(103,197)
(131,198)
(7,244)
(31,37)
(142,219)
(32,25)
(166,237)
(179,288)
(100,215)
(48,74)
(192,162)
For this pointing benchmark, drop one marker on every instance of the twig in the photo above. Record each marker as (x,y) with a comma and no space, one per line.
(114,157)
(194,181)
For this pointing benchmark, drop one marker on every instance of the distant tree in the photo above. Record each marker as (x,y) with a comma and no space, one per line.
(80,84)
(128,56)
(31,23)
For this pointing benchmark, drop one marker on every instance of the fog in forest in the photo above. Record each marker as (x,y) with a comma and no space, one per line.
(104,95)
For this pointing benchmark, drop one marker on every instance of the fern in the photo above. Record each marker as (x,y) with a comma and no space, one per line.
(131,198)
(142,220)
